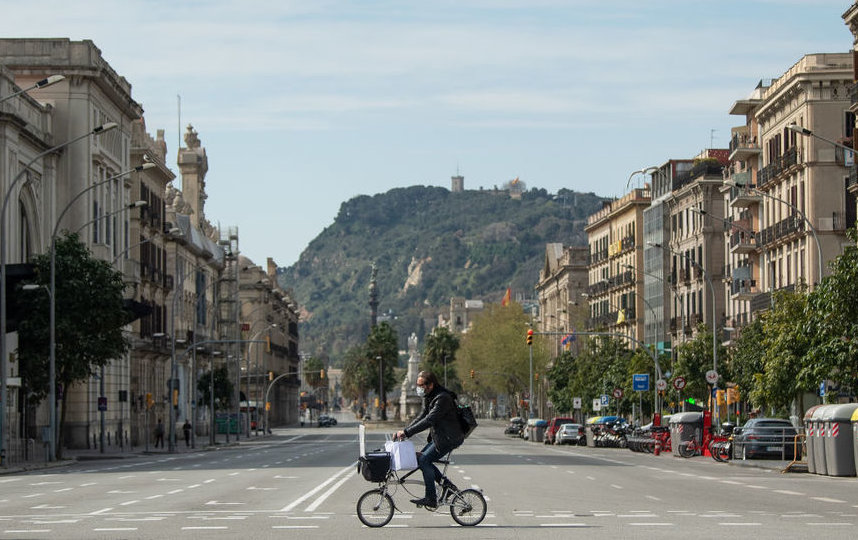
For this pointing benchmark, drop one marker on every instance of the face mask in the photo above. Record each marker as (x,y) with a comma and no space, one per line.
(421,391)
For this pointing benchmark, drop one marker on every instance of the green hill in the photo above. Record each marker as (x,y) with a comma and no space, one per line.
(429,244)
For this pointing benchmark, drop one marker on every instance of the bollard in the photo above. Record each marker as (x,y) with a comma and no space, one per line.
(657,450)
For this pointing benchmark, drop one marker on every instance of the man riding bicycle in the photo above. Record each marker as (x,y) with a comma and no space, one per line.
(440,416)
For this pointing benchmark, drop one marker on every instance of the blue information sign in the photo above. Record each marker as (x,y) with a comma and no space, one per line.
(640,382)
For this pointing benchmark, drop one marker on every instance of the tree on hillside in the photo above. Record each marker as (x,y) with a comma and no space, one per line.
(89,320)
(439,354)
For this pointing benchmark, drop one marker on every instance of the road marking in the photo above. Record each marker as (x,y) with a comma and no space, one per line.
(328,493)
(209,481)
(126,503)
(828,524)
(216,503)
(739,524)
(826,499)
(318,488)
(119,492)
(590,478)
(44,483)
(7,480)
(33,495)
(719,515)
(787,492)
(571,472)
(127,476)
(175,491)
(201,528)
(563,525)
(652,497)
(20,531)
(115,529)
(756,487)
(650,524)
(636,516)
(300,526)
(102,511)
(615,486)
(149,498)
(46,507)
(50,522)
(731,482)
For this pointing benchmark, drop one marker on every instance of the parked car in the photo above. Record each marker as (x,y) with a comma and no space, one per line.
(570,434)
(772,437)
(516,425)
(553,425)
(327,421)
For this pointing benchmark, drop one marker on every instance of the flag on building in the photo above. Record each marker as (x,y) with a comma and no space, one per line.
(567,340)
(506,297)
(621,316)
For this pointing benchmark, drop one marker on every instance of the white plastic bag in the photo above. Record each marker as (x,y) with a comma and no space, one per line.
(402,455)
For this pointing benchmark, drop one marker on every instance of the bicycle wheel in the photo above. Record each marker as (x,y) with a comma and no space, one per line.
(468,507)
(375,508)
(687,449)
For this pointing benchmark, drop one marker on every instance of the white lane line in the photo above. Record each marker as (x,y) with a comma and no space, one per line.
(115,529)
(590,478)
(756,487)
(650,524)
(302,526)
(202,528)
(328,493)
(615,486)
(562,524)
(175,491)
(102,511)
(739,524)
(827,524)
(209,481)
(7,480)
(652,497)
(731,482)
(826,499)
(126,503)
(22,531)
(787,492)
(318,488)
(149,498)
(63,489)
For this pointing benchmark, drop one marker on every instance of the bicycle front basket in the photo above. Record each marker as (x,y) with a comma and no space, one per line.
(374,466)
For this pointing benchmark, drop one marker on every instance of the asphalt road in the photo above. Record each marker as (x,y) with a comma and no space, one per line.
(302,483)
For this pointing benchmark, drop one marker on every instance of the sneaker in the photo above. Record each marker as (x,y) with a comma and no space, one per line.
(431,503)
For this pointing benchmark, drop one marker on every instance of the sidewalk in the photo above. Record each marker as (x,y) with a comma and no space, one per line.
(71,456)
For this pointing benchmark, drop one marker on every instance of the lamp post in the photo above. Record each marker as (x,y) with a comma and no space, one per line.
(53,79)
(714,321)
(808,133)
(382,415)
(3,343)
(797,211)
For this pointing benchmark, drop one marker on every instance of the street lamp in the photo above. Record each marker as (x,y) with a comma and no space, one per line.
(796,209)
(175,231)
(714,321)
(808,133)
(53,79)
(383,415)
(3,344)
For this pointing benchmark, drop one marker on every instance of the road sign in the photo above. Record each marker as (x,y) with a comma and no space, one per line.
(604,401)
(679,383)
(618,393)
(597,405)
(660,385)
(102,404)
(576,403)
(640,382)
(711,376)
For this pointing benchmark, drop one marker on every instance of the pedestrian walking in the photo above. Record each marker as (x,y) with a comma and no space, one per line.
(159,434)
(187,429)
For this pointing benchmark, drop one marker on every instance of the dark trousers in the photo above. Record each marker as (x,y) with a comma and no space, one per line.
(431,474)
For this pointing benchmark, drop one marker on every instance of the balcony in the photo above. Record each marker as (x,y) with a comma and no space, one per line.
(744,289)
(743,197)
(742,243)
(781,229)
(779,165)
(743,147)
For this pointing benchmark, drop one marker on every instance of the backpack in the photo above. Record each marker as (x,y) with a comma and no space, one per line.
(467,420)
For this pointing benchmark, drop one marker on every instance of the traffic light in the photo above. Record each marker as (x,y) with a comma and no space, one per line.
(472,373)
(322,374)
(530,337)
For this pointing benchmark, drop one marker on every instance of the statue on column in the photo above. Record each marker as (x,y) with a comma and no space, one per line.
(409,402)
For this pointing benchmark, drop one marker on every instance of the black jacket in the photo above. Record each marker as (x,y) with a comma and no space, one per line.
(440,416)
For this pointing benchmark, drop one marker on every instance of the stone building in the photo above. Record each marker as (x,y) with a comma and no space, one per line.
(562,280)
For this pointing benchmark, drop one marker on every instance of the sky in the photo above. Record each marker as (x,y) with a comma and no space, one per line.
(303,104)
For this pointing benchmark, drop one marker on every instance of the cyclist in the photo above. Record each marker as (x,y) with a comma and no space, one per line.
(440,417)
